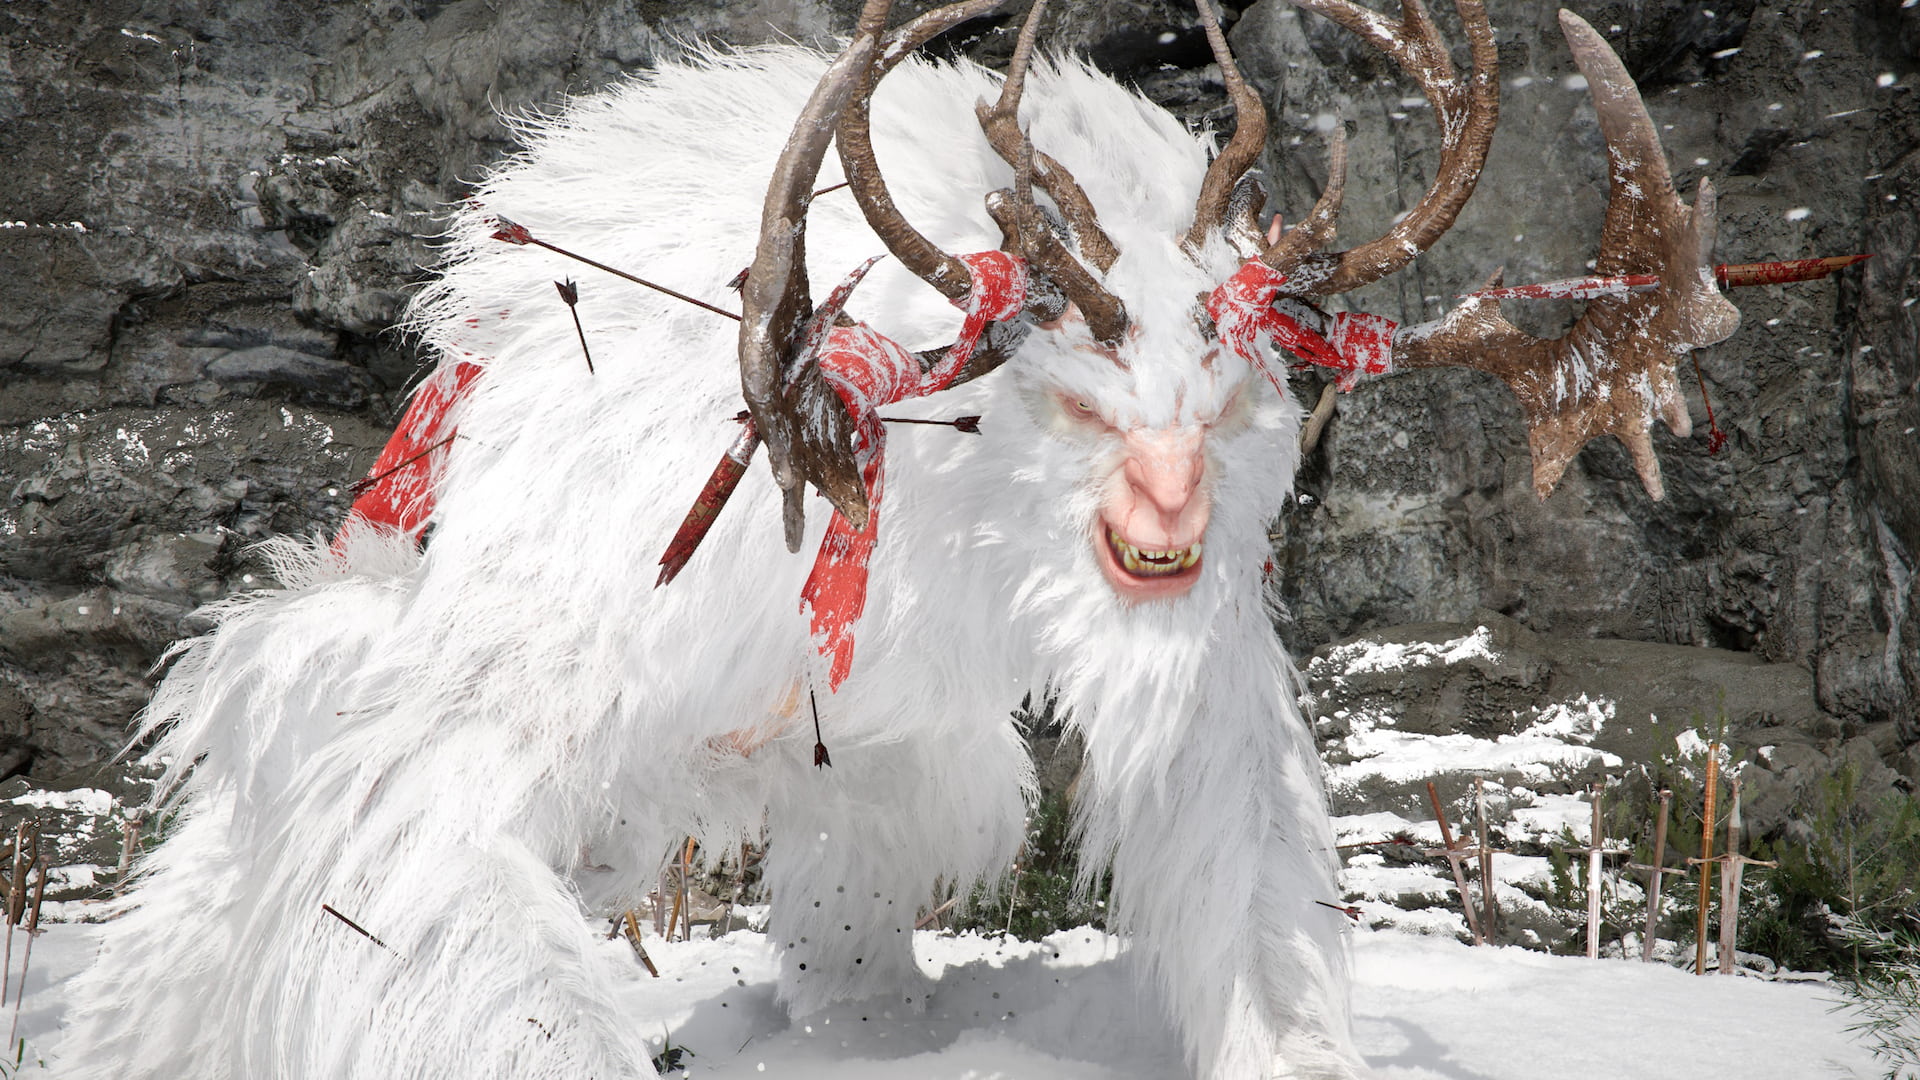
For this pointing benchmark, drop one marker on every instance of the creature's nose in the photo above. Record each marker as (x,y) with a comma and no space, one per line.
(1164,468)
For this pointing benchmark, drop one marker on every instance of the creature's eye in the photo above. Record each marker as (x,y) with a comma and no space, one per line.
(1075,407)
(1075,413)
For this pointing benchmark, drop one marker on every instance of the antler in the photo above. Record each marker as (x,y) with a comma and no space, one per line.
(776,302)
(1019,216)
(1466,111)
(1614,370)
(778,318)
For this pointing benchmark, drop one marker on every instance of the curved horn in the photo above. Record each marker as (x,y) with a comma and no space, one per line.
(1249,138)
(1020,218)
(1466,113)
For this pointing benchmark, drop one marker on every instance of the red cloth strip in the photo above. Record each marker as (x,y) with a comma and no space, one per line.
(868,370)
(400,495)
(1243,313)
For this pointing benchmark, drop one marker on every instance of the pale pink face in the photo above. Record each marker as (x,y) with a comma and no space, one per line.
(1157,423)
(1153,520)
(1149,535)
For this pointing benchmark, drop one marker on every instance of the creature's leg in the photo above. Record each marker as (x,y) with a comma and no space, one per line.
(1221,846)
(855,849)
(485,965)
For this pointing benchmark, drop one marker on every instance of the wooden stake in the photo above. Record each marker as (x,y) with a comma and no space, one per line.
(932,918)
(1454,854)
(633,938)
(1732,868)
(33,931)
(686,892)
(1655,871)
(1706,854)
(679,892)
(1730,871)
(1490,904)
(129,843)
(16,902)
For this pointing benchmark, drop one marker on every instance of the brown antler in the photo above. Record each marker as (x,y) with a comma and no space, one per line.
(855,137)
(1466,111)
(1020,218)
(775,301)
(807,431)
(1217,188)
(1614,370)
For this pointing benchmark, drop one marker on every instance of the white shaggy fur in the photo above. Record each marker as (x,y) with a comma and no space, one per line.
(445,746)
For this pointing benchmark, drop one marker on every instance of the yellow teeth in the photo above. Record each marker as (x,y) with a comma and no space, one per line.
(1142,563)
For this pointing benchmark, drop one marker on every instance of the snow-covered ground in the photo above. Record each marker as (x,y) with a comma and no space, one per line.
(1067,1008)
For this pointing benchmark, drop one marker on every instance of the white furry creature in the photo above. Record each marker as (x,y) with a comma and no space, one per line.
(451,745)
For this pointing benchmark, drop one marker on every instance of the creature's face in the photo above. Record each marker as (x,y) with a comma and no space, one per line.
(1152,421)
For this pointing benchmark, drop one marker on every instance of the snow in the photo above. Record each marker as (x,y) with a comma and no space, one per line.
(1068,1008)
(84,800)
(1426,1006)
(1554,743)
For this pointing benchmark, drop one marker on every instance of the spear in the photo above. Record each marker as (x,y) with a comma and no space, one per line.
(1706,855)
(1583,288)
(1736,275)
(712,499)
(1725,275)
(1732,868)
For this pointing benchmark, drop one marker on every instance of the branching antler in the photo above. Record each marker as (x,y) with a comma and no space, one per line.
(1466,110)
(775,300)
(807,433)
(1019,216)
(1613,372)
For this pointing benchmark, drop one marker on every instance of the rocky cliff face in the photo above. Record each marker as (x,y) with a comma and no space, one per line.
(213,215)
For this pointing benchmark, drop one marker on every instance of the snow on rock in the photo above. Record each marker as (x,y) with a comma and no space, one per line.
(90,801)
(1554,743)
(1363,656)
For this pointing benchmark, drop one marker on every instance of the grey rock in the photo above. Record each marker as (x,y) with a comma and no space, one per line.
(324,379)
(259,182)
(174,569)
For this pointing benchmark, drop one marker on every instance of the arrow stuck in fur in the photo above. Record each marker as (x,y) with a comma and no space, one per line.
(512,232)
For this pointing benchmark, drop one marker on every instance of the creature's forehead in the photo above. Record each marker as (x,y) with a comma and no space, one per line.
(1167,372)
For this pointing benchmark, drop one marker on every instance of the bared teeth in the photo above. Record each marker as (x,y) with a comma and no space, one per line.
(1146,563)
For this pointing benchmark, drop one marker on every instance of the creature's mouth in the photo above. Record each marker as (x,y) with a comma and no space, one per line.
(1138,573)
